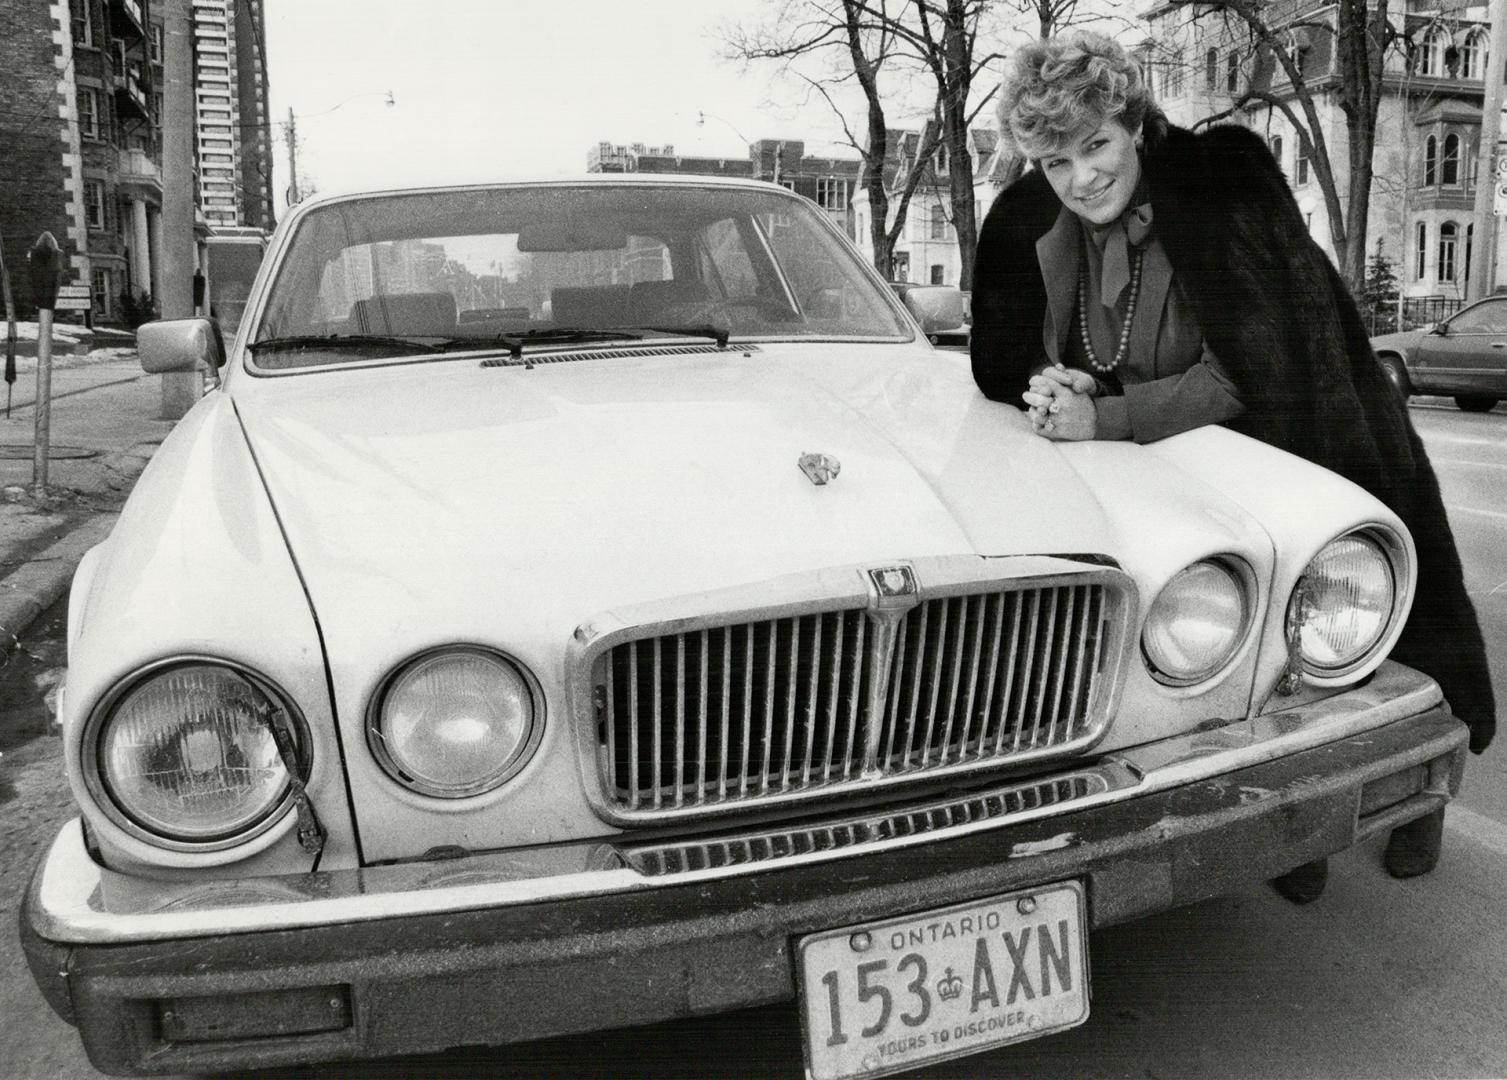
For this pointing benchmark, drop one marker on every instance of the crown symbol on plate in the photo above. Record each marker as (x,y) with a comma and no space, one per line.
(949,986)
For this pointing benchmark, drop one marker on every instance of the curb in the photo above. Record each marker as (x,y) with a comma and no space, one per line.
(35,586)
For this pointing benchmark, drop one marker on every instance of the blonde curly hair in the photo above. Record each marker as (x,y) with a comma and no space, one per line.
(1055,88)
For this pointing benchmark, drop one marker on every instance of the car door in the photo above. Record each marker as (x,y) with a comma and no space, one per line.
(1470,356)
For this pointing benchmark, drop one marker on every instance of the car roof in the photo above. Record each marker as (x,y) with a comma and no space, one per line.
(583,180)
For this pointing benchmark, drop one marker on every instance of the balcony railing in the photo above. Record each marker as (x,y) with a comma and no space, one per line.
(137,167)
(126,22)
(130,92)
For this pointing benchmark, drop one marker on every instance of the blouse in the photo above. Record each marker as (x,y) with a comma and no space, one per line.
(1169,381)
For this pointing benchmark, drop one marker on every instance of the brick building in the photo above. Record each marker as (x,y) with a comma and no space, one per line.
(81,107)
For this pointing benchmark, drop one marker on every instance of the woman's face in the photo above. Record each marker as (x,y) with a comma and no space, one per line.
(1096,171)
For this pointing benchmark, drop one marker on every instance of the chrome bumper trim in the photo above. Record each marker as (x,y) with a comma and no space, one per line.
(66,904)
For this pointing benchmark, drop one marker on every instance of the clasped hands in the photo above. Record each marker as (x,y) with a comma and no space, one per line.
(1062,404)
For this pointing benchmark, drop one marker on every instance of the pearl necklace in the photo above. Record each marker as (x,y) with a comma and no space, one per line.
(1124,347)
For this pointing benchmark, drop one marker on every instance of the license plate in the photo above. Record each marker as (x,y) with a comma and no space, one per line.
(886,996)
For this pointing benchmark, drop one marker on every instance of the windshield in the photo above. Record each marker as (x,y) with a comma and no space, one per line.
(544,264)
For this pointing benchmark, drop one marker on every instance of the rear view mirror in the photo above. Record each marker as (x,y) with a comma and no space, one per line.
(572,236)
(938,308)
(179,345)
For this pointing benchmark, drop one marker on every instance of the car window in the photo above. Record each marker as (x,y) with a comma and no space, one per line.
(1488,317)
(442,268)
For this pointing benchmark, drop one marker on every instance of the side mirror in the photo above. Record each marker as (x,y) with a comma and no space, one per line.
(1438,329)
(938,308)
(179,345)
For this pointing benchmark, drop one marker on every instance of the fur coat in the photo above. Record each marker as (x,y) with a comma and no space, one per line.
(1283,324)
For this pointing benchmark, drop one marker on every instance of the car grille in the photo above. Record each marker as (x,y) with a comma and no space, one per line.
(764,709)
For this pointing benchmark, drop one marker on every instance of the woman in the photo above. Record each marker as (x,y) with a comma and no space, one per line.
(1143,280)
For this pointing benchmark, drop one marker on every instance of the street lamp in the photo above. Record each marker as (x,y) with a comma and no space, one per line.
(701,118)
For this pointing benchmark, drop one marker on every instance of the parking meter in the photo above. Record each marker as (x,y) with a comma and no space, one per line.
(46,268)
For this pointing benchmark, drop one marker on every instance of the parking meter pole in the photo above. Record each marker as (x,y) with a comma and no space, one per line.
(10,330)
(46,264)
(42,430)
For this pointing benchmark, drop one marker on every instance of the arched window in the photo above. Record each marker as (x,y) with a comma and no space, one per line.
(1449,173)
(1277,150)
(1211,69)
(1431,54)
(1232,73)
(1430,161)
(1448,232)
(1421,251)
(1473,56)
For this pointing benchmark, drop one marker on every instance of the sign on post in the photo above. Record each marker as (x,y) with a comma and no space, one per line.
(74,298)
(1499,200)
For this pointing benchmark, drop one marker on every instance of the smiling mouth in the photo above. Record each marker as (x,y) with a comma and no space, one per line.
(1097,194)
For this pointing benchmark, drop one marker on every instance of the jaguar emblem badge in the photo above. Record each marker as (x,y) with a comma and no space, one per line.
(891,582)
(820,468)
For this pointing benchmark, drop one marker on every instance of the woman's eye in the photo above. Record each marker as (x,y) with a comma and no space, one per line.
(1097,144)
(1056,163)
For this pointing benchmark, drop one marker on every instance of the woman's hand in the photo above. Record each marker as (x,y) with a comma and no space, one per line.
(1061,403)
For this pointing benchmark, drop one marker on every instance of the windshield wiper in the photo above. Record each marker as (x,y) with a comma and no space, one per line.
(343,341)
(718,334)
(557,335)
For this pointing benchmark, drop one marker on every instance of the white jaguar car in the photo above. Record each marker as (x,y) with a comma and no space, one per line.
(587,603)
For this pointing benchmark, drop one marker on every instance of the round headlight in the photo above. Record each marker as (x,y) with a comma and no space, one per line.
(1196,624)
(454,723)
(185,754)
(1347,599)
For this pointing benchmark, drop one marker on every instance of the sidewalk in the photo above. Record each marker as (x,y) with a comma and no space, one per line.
(104,429)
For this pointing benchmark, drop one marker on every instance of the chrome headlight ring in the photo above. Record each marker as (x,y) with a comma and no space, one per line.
(415,744)
(1358,586)
(200,746)
(1227,585)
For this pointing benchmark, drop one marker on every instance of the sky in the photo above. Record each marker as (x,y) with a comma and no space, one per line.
(489,89)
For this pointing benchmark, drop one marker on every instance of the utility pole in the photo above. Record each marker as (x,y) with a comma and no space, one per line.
(180,389)
(1488,180)
(292,133)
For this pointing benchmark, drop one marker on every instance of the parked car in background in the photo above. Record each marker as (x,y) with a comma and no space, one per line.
(948,306)
(593,602)
(1464,356)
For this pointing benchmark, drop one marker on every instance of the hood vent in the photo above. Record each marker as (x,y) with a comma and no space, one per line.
(570,355)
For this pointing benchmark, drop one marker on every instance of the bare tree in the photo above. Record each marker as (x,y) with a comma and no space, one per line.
(1361,35)
(851,41)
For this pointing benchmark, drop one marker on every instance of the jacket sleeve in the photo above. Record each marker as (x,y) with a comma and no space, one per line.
(1009,295)
(1152,410)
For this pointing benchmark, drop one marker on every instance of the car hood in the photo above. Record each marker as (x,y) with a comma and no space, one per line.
(446,500)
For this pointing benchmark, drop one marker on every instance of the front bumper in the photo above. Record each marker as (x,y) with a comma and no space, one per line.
(420,957)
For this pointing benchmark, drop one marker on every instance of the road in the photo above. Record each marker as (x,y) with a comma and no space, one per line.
(1379,979)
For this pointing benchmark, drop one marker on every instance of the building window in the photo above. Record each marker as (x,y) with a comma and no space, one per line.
(94,203)
(1473,56)
(1211,70)
(1430,161)
(157,42)
(788,185)
(1446,261)
(1431,54)
(1308,221)
(88,113)
(83,21)
(937,273)
(941,160)
(1449,172)
(1174,84)
(938,222)
(1420,251)
(100,283)
(831,193)
(1300,163)
(1470,235)
(1232,72)
(1277,149)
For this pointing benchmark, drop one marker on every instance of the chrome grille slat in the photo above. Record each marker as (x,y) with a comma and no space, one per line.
(732,714)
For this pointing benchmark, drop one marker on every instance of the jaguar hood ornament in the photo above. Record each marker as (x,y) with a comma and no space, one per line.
(820,468)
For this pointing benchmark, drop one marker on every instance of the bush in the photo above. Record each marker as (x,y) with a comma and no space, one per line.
(137,308)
